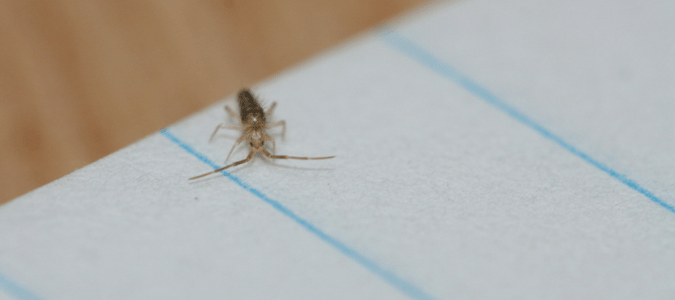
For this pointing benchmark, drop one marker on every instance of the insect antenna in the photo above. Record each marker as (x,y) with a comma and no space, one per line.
(269,155)
(234,164)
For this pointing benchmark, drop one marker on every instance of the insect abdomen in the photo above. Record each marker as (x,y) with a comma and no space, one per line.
(249,109)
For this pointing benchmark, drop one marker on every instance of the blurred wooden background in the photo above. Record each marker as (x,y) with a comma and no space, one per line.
(81,79)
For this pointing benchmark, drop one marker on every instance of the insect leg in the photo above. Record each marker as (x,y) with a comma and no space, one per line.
(271,109)
(232,113)
(271,139)
(280,123)
(239,140)
(223,126)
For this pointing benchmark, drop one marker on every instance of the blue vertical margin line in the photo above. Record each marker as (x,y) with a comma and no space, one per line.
(424,57)
(402,285)
(15,290)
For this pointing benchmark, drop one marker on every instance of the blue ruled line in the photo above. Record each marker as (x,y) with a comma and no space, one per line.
(397,282)
(424,57)
(15,290)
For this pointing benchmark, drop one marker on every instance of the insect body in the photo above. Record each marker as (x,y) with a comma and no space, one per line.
(253,124)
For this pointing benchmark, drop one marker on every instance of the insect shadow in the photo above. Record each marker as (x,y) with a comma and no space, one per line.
(253,121)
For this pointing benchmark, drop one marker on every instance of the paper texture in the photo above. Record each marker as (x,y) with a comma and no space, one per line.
(492,182)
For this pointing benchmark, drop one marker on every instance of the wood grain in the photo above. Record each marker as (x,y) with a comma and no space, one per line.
(81,79)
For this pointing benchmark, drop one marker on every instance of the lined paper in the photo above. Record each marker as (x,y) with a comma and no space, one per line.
(484,150)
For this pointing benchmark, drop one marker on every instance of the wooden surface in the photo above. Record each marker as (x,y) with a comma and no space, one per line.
(81,79)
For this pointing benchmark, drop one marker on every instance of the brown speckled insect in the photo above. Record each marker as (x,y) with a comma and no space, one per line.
(253,124)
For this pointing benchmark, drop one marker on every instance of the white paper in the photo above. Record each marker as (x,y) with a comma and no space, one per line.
(435,193)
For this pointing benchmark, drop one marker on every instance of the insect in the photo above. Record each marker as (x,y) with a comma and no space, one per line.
(253,124)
